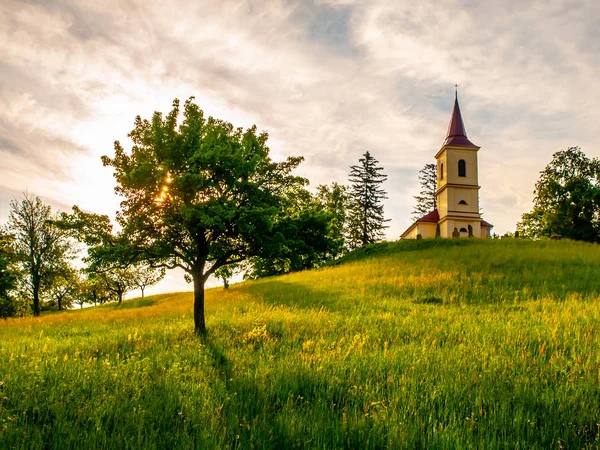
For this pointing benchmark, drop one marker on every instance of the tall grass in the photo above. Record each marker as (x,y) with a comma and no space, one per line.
(476,344)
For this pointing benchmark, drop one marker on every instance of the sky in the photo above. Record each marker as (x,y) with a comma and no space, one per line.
(328,80)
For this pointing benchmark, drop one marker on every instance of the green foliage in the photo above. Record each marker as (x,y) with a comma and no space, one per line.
(199,196)
(305,236)
(119,281)
(93,289)
(426,200)
(365,223)
(567,199)
(63,287)
(42,249)
(144,276)
(95,230)
(8,275)
(335,200)
(486,344)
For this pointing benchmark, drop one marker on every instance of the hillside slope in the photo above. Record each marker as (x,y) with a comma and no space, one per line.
(433,344)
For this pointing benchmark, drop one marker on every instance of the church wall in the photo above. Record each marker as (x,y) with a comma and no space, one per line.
(447,227)
(427,229)
(442,203)
(451,166)
(469,195)
(445,230)
(442,174)
(412,233)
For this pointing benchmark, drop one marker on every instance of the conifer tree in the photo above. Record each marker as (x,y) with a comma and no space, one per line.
(426,201)
(366,220)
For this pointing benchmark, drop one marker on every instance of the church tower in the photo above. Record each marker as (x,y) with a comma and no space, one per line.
(458,182)
(457,196)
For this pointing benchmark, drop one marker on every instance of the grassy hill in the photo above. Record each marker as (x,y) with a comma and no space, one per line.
(432,344)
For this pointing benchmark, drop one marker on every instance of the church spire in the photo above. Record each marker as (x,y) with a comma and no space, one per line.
(457,135)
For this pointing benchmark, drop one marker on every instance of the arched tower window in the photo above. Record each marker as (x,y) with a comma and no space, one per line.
(462,168)
(442,171)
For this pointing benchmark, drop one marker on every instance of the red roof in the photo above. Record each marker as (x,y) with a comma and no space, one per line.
(433,216)
(457,135)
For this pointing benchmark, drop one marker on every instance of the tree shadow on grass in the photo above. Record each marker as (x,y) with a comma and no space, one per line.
(294,409)
(249,413)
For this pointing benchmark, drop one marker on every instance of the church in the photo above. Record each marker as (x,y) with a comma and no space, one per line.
(457,196)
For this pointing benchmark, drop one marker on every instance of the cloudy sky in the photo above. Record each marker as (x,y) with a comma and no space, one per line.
(328,79)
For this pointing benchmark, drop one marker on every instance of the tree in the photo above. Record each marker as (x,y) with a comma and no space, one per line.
(81,296)
(303,238)
(365,216)
(144,276)
(93,289)
(566,199)
(8,275)
(225,273)
(63,286)
(41,248)
(334,199)
(426,200)
(199,196)
(119,281)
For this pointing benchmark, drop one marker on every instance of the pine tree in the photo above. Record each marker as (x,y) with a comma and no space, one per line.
(426,201)
(365,215)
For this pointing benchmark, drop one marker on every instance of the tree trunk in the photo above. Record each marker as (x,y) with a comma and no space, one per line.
(142,289)
(36,297)
(199,323)
(59,300)
(120,295)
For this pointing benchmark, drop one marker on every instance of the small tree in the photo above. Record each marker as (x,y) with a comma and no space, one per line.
(8,275)
(365,217)
(80,298)
(118,281)
(566,199)
(426,200)
(41,248)
(93,289)
(63,287)
(144,276)
(225,273)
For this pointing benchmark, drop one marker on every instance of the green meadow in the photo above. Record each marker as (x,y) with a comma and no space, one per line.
(418,345)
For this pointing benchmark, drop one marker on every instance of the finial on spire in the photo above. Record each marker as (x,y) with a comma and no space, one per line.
(455,90)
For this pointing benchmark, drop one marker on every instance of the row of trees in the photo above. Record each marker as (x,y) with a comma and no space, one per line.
(205,197)
(37,270)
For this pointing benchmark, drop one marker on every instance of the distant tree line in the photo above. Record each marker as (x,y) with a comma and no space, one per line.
(37,270)
(199,195)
